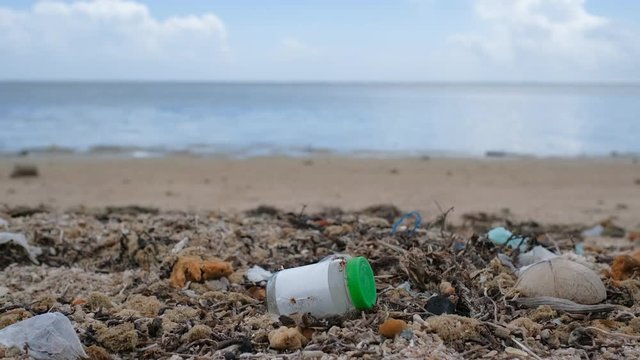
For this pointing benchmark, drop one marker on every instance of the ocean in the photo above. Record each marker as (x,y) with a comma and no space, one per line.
(244,120)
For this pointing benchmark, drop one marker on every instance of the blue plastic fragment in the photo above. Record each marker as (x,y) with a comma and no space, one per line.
(416,225)
(502,236)
(580,248)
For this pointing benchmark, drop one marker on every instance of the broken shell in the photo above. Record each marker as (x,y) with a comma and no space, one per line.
(562,278)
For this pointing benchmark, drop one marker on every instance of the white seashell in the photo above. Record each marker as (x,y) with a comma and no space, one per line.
(562,278)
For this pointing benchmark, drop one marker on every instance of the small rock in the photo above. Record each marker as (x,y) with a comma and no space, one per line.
(337,230)
(24,170)
(440,304)
(392,327)
(285,338)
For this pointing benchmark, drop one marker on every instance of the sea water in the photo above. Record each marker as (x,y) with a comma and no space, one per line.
(300,119)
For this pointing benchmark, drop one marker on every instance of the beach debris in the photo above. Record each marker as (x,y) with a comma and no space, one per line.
(118,338)
(626,266)
(416,224)
(285,338)
(538,253)
(13,316)
(95,352)
(564,305)
(47,336)
(562,278)
(23,171)
(502,236)
(258,274)
(180,246)
(440,304)
(593,232)
(145,305)
(193,268)
(198,332)
(89,281)
(3,223)
(454,327)
(99,301)
(20,240)
(392,327)
(322,289)
(606,228)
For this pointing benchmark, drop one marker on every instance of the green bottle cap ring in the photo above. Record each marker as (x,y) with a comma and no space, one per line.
(361,283)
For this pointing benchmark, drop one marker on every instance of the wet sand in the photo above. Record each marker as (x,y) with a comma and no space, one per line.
(546,190)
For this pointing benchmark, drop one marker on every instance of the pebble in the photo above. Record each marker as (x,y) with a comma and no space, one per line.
(392,327)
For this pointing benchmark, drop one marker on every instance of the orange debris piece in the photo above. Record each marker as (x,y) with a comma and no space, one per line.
(392,327)
(626,266)
(192,268)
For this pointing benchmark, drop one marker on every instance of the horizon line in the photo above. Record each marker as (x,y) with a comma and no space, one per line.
(323,82)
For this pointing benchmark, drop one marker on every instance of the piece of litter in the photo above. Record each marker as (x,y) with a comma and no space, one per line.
(3,223)
(180,245)
(416,225)
(594,231)
(562,278)
(19,239)
(516,352)
(502,236)
(49,336)
(392,327)
(538,253)
(257,274)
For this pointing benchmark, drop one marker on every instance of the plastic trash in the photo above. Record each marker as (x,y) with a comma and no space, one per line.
(257,274)
(538,253)
(3,223)
(48,336)
(594,231)
(502,236)
(337,285)
(21,240)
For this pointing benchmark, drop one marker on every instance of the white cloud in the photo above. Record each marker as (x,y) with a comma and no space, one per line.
(550,38)
(293,49)
(118,37)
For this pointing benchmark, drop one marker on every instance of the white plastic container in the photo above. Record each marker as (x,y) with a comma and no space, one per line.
(337,285)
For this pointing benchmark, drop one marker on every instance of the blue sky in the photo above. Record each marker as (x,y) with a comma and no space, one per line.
(374,40)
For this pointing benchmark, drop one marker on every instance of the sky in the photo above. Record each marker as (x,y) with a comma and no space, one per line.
(328,40)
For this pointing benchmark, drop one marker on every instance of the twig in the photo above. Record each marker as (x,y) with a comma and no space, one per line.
(392,247)
(626,336)
(526,349)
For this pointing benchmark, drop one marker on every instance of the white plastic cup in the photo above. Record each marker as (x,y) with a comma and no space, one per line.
(337,285)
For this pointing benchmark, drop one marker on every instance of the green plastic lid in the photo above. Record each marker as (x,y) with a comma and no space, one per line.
(361,283)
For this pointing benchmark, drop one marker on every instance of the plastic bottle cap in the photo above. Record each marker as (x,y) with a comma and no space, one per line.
(361,283)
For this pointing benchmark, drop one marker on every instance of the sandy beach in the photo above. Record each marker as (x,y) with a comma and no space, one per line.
(547,190)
